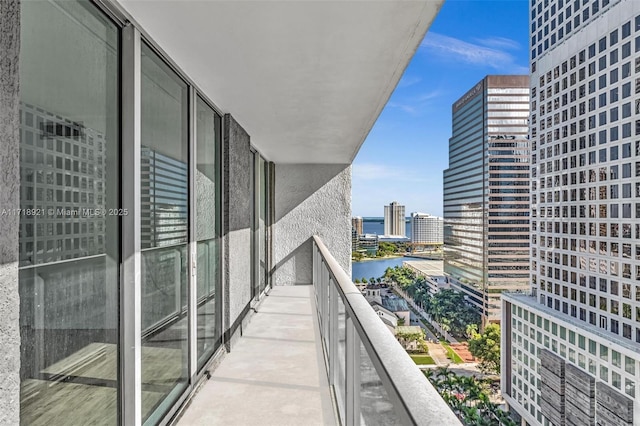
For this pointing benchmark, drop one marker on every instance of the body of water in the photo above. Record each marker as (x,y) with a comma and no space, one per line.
(375,225)
(373,268)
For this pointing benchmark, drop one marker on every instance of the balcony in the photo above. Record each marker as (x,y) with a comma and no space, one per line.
(117,319)
(317,355)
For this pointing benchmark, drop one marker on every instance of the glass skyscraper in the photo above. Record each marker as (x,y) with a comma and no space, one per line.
(486,193)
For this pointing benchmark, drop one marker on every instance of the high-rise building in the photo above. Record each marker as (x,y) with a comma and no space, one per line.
(486,192)
(357,224)
(571,348)
(426,229)
(394,220)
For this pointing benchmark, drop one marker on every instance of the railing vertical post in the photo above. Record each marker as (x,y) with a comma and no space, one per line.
(352,383)
(333,333)
(325,304)
(321,295)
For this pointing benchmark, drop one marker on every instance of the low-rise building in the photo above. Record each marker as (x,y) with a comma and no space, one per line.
(368,243)
(432,271)
(388,318)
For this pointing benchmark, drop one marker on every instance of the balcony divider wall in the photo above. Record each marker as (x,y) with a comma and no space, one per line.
(237,217)
(135,257)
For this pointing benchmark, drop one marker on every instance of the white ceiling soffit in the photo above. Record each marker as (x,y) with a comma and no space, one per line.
(306,79)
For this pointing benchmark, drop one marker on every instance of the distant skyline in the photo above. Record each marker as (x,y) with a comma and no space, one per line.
(406,152)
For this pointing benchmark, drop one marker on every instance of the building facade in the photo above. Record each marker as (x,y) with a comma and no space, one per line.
(570,352)
(394,220)
(486,192)
(426,229)
(368,243)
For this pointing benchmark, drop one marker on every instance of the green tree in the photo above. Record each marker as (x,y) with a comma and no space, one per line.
(450,307)
(357,281)
(471,330)
(468,397)
(486,347)
(405,337)
(364,280)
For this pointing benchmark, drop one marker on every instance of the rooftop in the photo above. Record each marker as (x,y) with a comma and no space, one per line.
(433,268)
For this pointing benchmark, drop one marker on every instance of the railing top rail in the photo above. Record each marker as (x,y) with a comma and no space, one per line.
(416,400)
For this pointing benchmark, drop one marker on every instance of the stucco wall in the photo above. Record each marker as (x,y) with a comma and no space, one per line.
(237,220)
(9,199)
(310,199)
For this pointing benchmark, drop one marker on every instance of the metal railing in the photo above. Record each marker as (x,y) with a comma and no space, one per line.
(374,380)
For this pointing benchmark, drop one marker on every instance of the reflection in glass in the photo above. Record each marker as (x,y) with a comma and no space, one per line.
(262,224)
(68,264)
(208,138)
(340,367)
(164,213)
(260,242)
(375,406)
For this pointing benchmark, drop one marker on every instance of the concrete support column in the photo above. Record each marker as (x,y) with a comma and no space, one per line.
(236,229)
(310,199)
(9,200)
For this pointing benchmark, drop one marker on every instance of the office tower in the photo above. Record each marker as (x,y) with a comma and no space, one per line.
(354,240)
(426,229)
(142,223)
(394,220)
(356,223)
(486,192)
(571,349)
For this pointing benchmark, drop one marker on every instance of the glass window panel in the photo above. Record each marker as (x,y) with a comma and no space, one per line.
(208,139)
(164,212)
(262,224)
(260,241)
(68,274)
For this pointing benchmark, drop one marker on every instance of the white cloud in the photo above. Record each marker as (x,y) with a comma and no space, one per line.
(407,81)
(499,43)
(489,52)
(414,104)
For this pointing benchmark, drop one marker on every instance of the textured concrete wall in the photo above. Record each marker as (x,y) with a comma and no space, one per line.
(9,199)
(310,199)
(237,220)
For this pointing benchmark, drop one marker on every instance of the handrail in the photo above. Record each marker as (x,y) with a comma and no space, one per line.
(414,399)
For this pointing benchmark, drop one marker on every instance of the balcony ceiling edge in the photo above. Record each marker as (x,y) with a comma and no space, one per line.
(306,79)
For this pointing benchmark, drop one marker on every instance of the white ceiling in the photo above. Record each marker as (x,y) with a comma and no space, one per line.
(306,79)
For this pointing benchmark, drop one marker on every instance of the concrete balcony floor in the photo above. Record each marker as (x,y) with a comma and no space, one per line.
(275,373)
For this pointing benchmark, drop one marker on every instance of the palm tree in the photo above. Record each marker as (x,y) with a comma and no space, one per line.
(429,375)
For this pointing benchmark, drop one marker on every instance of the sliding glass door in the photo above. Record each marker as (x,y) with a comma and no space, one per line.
(207,185)
(69,225)
(120,222)
(261,218)
(164,180)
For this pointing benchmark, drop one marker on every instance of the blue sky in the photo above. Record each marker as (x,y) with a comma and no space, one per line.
(406,152)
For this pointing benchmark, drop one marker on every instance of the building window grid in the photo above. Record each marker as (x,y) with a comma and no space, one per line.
(570,18)
(605,205)
(592,357)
